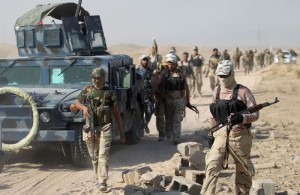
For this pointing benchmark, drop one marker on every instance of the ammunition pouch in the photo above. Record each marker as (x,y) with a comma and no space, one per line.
(103,114)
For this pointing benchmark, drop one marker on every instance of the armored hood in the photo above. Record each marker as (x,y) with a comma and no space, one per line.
(57,11)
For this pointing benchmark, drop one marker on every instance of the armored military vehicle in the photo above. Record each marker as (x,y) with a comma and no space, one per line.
(59,45)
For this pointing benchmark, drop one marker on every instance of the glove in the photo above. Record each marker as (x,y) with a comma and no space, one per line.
(237,119)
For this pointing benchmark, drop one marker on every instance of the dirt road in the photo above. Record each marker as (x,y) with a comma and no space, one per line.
(47,172)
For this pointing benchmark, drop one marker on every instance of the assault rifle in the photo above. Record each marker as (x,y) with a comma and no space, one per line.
(249,110)
(91,124)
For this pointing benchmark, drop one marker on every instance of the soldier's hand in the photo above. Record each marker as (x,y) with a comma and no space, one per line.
(86,112)
(122,138)
(235,119)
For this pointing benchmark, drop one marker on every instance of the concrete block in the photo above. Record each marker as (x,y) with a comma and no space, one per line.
(277,135)
(151,179)
(196,176)
(197,160)
(267,185)
(132,177)
(188,148)
(182,184)
(183,165)
(254,191)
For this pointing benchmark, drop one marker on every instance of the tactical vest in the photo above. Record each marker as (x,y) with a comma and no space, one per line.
(187,69)
(198,62)
(223,108)
(174,83)
(100,104)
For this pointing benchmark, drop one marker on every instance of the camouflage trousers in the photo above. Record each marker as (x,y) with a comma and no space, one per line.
(101,152)
(198,79)
(174,115)
(239,148)
(160,110)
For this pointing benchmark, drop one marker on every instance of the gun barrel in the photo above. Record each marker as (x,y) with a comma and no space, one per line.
(78,8)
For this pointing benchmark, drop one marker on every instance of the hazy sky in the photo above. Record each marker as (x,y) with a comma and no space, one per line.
(213,23)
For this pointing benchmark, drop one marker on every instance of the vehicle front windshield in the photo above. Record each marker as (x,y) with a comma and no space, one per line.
(75,75)
(18,75)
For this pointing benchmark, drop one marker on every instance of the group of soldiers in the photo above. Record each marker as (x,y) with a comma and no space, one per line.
(169,83)
(252,60)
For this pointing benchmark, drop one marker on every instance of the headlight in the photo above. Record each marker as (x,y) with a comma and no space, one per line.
(45,117)
(65,107)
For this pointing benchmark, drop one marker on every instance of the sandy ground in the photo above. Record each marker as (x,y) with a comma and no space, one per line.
(37,171)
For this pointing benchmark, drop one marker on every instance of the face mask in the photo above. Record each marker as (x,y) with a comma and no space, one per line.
(228,83)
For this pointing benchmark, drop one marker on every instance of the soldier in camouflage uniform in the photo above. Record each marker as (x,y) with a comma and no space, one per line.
(147,107)
(101,102)
(246,62)
(160,105)
(230,97)
(177,96)
(155,60)
(225,55)
(198,62)
(256,59)
(213,63)
(236,58)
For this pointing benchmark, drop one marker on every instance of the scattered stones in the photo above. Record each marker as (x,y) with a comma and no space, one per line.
(182,184)
(133,177)
(196,176)
(197,160)
(188,148)
(267,185)
(151,179)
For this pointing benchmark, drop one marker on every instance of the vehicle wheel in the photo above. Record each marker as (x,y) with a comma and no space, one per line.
(79,151)
(2,160)
(133,136)
(35,118)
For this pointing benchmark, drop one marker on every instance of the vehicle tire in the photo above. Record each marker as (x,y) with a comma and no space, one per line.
(34,129)
(79,151)
(133,136)
(2,160)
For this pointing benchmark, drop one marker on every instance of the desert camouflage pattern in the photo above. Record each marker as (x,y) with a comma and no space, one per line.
(101,152)
(240,143)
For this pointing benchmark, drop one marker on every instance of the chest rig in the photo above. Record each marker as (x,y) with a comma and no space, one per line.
(222,108)
(100,102)
(174,83)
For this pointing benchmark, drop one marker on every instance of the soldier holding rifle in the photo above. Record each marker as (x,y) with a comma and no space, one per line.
(97,103)
(236,140)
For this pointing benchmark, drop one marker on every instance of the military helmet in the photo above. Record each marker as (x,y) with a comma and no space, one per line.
(98,73)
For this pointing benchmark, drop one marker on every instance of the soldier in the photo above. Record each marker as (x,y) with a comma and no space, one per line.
(280,56)
(187,68)
(246,62)
(198,62)
(251,60)
(146,106)
(155,60)
(102,103)
(236,58)
(225,55)
(160,105)
(173,52)
(177,96)
(213,63)
(229,98)
(262,59)
(257,59)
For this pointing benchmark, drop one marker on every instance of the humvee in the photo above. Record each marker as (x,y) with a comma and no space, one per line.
(58,46)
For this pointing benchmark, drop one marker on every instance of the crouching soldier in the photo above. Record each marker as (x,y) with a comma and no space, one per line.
(98,101)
